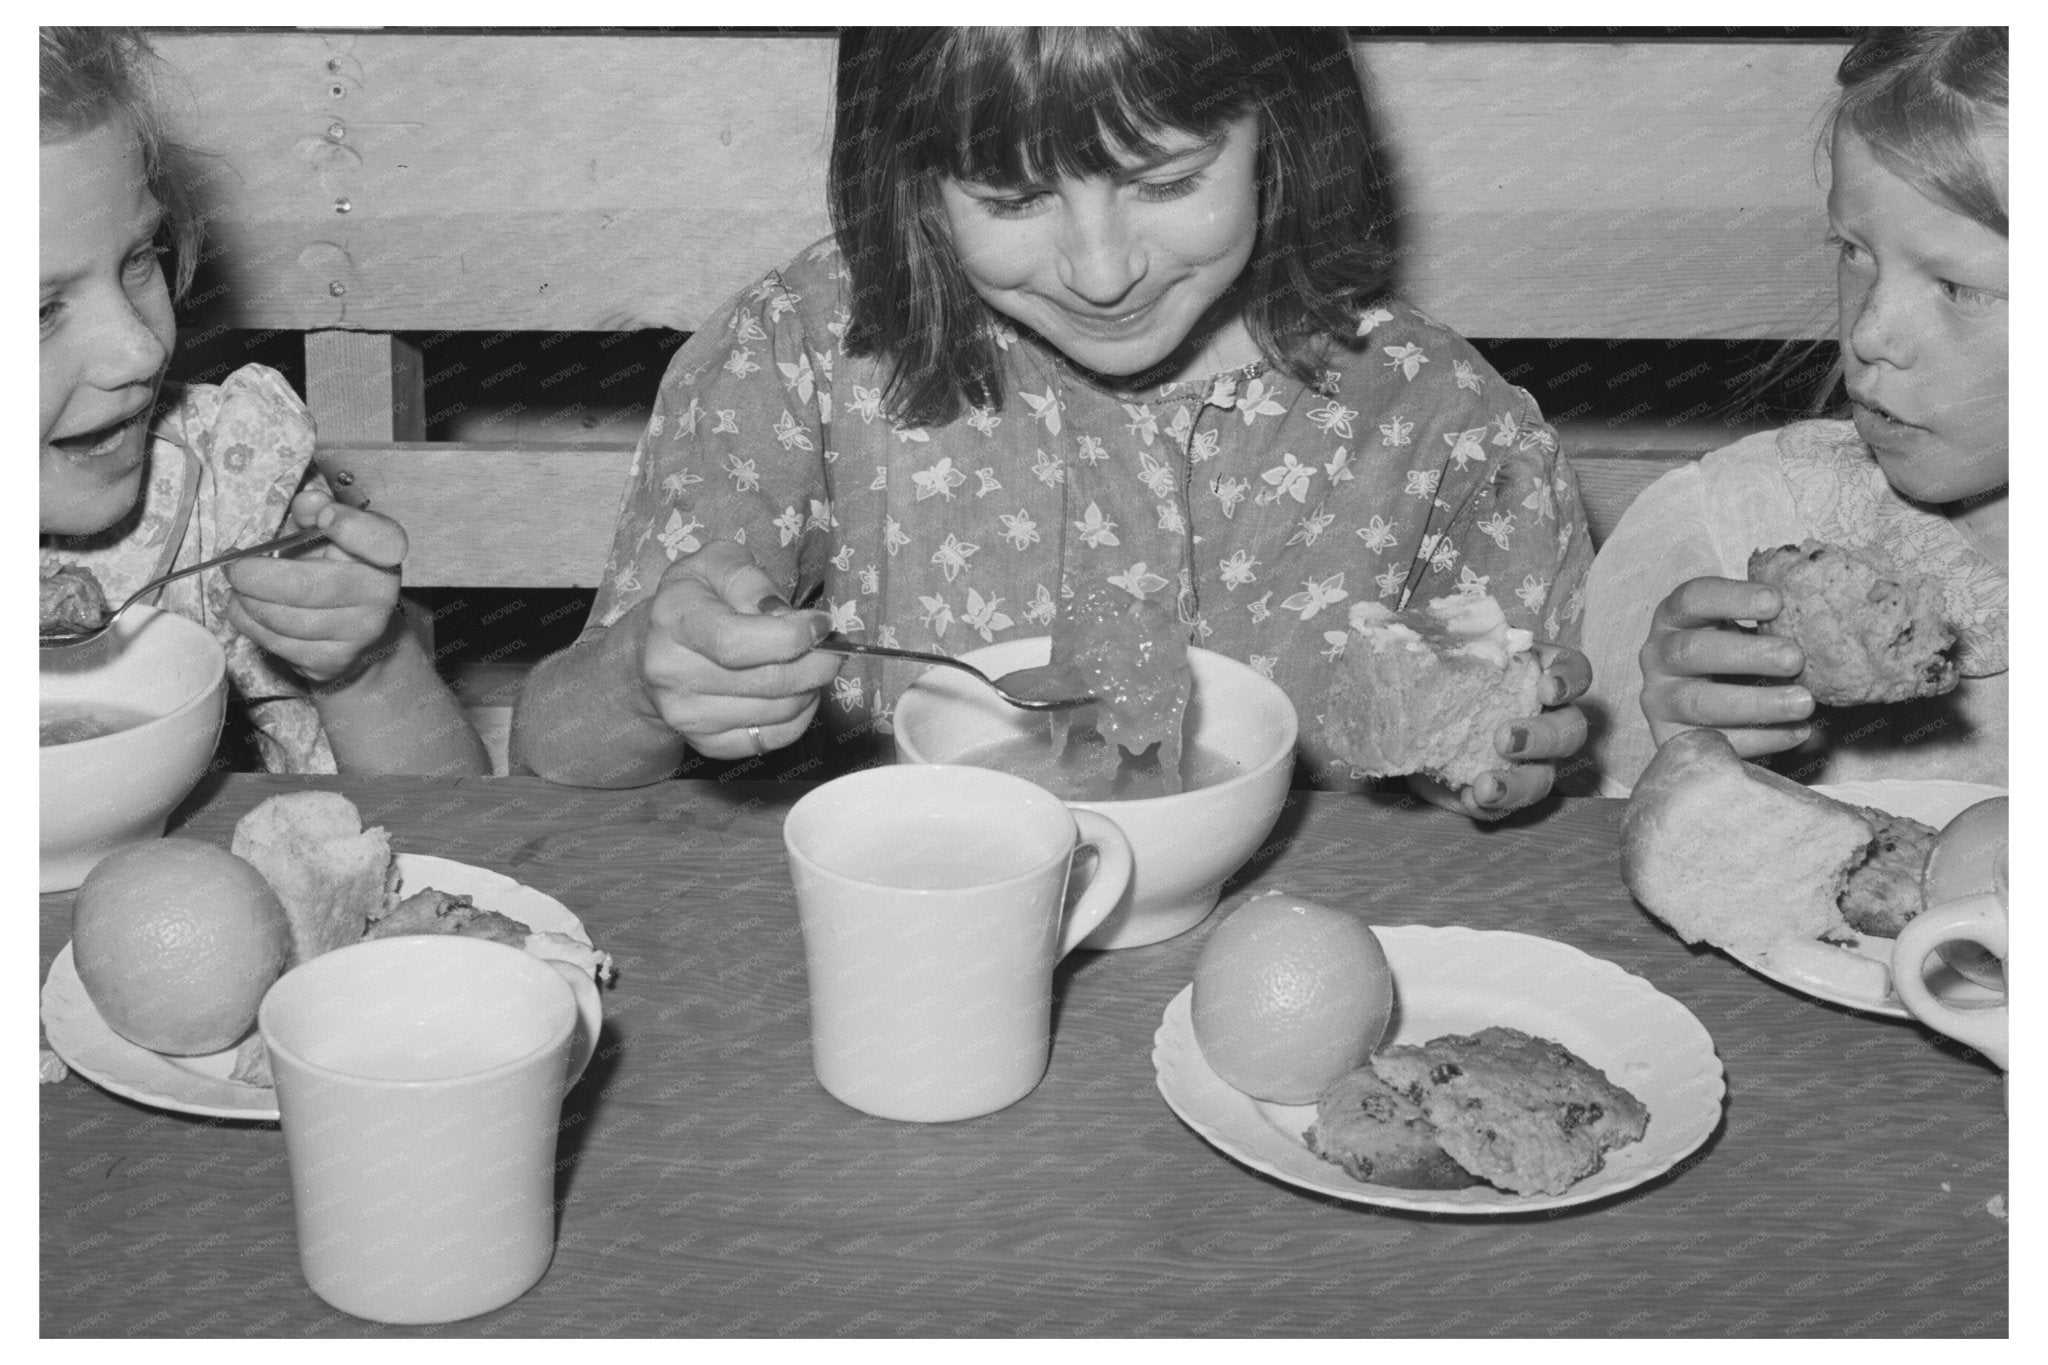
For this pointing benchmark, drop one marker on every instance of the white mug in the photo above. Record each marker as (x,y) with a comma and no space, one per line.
(934,903)
(420,1083)
(1978,919)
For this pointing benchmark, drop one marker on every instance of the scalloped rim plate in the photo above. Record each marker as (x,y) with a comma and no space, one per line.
(1457,980)
(200,1085)
(1859,974)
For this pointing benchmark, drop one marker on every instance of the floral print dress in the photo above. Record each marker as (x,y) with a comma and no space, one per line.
(224,463)
(1260,507)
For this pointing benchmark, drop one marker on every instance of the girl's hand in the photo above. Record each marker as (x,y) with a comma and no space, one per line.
(1696,655)
(723,654)
(329,612)
(1529,748)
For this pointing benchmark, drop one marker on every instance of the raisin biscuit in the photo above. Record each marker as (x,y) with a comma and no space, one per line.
(1379,1137)
(1884,890)
(1525,1113)
(1869,632)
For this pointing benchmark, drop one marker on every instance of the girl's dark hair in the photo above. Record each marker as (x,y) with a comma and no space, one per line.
(1932,102)
(1018,105)
(93,77)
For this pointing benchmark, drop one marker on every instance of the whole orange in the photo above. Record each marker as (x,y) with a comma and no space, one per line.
(176,941)
(1289,995)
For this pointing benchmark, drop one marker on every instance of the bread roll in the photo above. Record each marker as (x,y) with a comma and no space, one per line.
(1870,632)
(1733,854)
(333,875)
(1426,690)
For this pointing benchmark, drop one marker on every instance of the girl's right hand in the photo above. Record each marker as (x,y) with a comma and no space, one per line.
(723,654)
(1696,654)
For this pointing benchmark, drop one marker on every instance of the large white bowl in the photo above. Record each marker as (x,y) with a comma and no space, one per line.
(103,794)
(1183,847)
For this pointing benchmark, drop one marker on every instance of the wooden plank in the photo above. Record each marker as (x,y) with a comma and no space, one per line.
(493,516)
(534,515)
(366,386)
(576,182)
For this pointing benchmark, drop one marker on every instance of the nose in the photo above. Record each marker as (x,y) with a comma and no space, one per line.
(1100,257)
(126,348)
(1875,323)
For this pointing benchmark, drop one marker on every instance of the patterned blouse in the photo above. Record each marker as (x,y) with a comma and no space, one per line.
(1409,470)
(1811,479)
(224,464)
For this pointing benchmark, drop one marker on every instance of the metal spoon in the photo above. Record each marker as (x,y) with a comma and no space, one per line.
(61,637)
(1048,687)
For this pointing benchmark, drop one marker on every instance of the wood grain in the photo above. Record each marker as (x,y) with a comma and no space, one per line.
(557,182)
(711,1188)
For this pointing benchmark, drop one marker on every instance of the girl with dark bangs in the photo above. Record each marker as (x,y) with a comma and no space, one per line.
(1102,306)
(1912,472)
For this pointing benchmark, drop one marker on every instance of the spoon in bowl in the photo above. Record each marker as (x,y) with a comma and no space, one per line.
(62,637)
(1048,687)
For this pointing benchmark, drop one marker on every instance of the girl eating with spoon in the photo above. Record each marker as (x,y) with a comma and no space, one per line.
(136,483)
(1104,310)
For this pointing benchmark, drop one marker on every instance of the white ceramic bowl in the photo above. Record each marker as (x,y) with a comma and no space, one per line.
(1184,847)
(99,795)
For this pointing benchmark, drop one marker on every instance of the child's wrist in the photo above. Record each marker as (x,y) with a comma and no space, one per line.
(367,664)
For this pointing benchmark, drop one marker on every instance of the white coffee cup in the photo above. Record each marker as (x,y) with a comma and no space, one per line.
(420,1083)
(934,903)
(1979,919)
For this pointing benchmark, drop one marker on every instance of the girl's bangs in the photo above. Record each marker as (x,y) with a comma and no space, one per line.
(1019,109)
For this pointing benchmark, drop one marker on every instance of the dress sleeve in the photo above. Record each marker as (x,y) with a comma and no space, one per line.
(733,450)
(256,448)
(1507,519)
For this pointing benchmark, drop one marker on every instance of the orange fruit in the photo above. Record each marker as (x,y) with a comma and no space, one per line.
(1289,995)
(176,941)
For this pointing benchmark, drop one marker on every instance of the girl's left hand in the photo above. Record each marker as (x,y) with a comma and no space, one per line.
(1530,747)
(323,611)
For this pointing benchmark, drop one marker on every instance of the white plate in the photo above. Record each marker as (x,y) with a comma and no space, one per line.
(200,1085)
(1459,980)
(1859,974)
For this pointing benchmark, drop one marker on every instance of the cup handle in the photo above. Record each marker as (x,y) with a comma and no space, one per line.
(589,1018)
(1980,919)
(1106,884)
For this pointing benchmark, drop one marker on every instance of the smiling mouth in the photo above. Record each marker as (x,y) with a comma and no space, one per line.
(101,441)
(1111,324)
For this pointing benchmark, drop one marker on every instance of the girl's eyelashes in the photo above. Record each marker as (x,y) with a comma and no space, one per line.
(1161,191)
(1970,296)
(145,261)
(1843,247)
(1021,203)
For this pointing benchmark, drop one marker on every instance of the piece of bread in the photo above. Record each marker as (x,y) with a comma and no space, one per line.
(70,598)
(1733,854)
(1132,653)
(333,875)
(1380,1136)
(1870,632)
(1885,890)
(1426,690)
(1528,1114)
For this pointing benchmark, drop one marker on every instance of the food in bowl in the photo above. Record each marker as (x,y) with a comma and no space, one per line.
(1735,855)
(1521,1113)
(1870,632)
(1426,690)
(72,722)
(70,599)
(165,674)
(1085,766)
(1132,654)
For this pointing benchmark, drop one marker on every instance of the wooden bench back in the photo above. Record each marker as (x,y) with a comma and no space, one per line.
(378,186)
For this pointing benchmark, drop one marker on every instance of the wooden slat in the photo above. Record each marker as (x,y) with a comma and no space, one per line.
(366,386)
(532,515)
(521,516)
(549,182)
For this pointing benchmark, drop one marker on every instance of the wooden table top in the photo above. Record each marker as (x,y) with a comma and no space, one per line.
(710,1187)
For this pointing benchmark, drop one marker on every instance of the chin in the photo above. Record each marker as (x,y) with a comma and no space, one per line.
(83,514)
